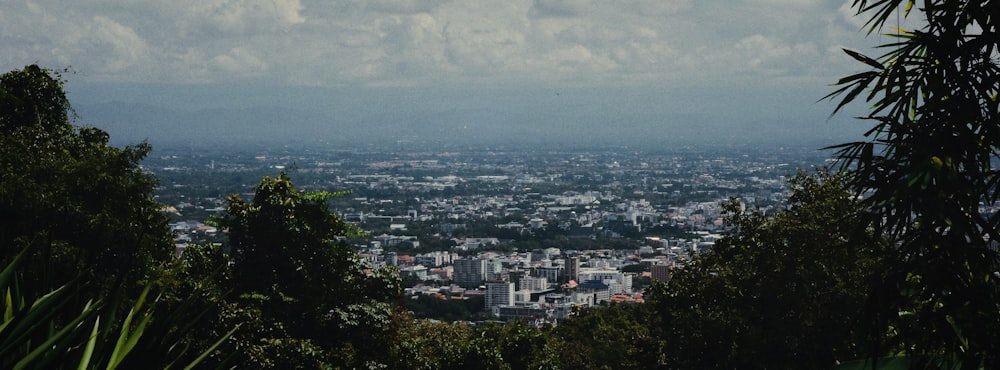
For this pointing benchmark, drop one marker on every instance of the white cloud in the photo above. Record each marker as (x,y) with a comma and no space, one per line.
(237,61)
(119,47)
(313,42)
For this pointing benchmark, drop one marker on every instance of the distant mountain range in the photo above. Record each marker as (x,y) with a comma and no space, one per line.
(365,121)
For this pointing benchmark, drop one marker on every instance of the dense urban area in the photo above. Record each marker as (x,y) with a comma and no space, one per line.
(526,234)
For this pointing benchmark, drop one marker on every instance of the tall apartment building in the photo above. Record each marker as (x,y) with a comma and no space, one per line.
(572,265)
(499,293)
(469,272)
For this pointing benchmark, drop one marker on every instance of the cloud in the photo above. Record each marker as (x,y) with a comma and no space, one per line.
(561,8)
(383,42)
(238,61)
(118,46)
(242,17)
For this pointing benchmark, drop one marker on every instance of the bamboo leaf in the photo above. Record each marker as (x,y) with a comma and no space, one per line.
(864,59)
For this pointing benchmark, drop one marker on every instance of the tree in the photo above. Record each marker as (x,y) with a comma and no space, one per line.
(290,263)
(925,169)
(81,205)
(513,345)
(617,336)
(84,244)
(426,345)
(781,291)
(422,344)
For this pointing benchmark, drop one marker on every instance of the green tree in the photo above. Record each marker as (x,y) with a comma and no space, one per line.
(81,205)
(425,345)
(925,168)
(513,345)
(610,337)
(290,264)
(422,344)
(85,246)
(781,291)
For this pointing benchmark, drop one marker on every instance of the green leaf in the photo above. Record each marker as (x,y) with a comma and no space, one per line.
(128,336)
(89,350)
(48,344)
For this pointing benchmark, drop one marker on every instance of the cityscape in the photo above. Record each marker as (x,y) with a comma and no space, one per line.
(517,233)
(527,184)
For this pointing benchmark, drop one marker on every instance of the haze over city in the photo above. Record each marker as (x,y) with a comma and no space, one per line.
(640,73)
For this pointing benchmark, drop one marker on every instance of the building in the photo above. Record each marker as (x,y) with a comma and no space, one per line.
(534,315)
(534,284)
(495,270)
(572,268)
(499,293)
(417,271)
(434,259)
(595,291)
(617,281)
(660,272)
(469,272)
(551,273)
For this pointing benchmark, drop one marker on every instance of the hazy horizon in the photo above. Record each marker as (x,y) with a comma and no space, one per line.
(352,117)
(532,71)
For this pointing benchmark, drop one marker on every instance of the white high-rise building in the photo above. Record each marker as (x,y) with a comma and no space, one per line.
(499,293)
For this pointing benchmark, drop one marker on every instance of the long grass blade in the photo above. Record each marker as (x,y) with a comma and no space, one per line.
(88,352)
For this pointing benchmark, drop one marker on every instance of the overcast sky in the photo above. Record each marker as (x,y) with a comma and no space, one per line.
(735,46)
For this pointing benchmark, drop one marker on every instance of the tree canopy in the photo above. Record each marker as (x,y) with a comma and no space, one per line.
(81,205)
(290,263)
(83,244)
(781,291)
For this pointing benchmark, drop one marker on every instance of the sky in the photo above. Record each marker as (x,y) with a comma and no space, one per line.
(556,67)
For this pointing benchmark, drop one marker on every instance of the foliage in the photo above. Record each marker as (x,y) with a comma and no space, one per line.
(35,335)
(195,290)
(82,206)
(514,345)
(422,344)
(613,337)
(86,249)
(777,291)
(926,168)
(34,97)
(317,302)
